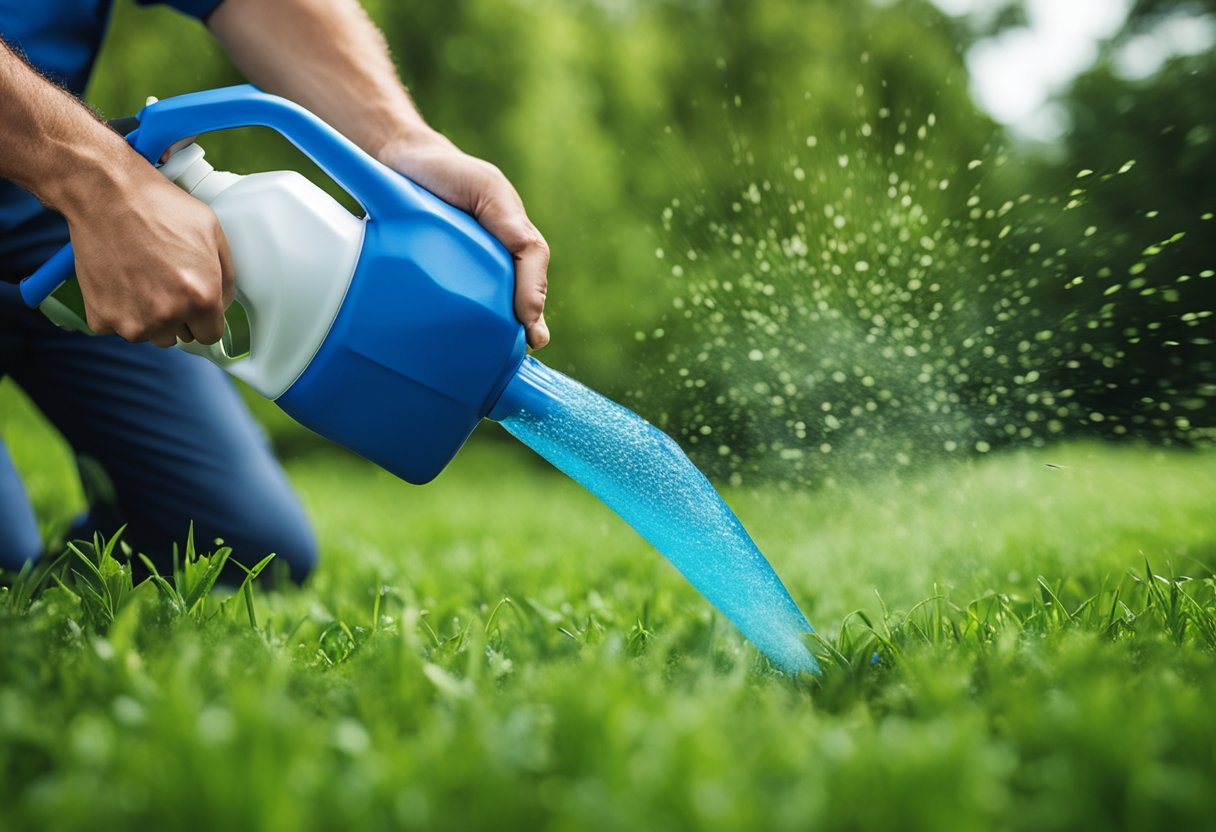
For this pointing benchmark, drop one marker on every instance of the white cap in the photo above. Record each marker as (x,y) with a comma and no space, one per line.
(190,171)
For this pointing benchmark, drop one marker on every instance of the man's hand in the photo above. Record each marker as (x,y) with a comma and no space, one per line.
(152,261)
(482,190)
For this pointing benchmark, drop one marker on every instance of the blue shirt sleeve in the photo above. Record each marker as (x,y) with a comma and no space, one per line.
(195,8)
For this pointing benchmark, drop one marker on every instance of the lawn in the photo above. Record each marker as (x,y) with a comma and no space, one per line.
(497,650)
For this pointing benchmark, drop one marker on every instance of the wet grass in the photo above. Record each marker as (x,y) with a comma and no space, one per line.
(1024,641)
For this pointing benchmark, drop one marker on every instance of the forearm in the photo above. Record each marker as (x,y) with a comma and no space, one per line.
(53,146)
(328,56)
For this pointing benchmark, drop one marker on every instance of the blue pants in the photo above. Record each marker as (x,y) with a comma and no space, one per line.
(170,432)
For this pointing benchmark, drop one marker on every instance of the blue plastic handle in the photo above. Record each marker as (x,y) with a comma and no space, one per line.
(162,123)
(165,122)
(50,275)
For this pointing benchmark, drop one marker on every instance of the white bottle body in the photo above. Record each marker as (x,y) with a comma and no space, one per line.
(294,250)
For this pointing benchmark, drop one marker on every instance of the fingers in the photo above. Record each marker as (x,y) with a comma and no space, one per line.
(532,287)
(158,270)
(207,322)
(211,292)
(505,219)
(227,270)
(192,310)
(164,338)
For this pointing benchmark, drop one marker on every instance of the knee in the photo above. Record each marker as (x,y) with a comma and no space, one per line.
(290,538)
(298,549)
(269,518)
(252,530)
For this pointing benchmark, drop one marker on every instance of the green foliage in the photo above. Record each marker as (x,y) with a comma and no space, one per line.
(195,575)
(500,651)
(1148,605)
(98,576)
(100,581)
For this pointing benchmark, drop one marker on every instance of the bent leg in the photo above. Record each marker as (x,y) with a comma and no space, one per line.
(179,446)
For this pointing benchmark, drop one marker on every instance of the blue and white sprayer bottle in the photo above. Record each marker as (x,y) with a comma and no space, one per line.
(394,335)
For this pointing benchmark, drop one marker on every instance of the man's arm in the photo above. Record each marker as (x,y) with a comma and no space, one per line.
(329,57)
(152,262)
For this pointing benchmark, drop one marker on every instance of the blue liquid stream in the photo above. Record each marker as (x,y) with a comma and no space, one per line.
(640,473)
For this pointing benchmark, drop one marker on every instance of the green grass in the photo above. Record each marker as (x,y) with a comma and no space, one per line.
(497,650)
